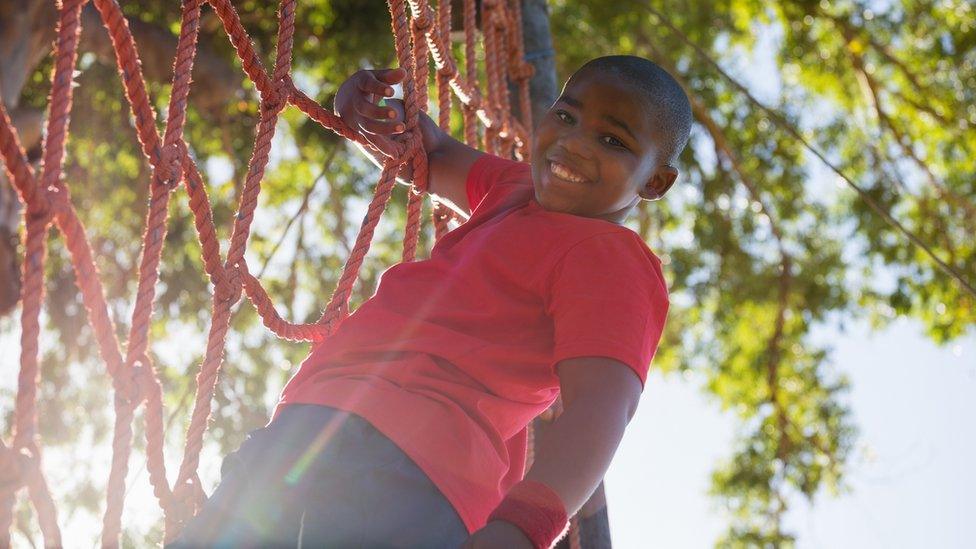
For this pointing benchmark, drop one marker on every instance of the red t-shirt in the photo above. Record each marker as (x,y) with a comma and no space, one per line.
(453,356)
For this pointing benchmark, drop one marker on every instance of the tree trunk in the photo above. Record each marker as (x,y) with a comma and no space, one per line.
(9,264)
(594,526)
(543,88)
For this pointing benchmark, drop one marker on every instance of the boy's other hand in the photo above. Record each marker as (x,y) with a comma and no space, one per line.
(357,104)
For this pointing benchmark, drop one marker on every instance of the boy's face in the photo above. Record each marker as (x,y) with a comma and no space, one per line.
(595,153)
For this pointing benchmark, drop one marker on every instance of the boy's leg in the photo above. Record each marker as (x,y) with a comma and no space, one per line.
(258,502)
(323,478)
(372,495)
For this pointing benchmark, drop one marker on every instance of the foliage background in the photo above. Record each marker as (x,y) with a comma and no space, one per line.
(757,254)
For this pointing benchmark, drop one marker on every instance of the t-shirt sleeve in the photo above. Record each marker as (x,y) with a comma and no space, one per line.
(608,298)
(490,170)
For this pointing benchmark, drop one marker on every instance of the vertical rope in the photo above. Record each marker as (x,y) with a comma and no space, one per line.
(492,73)
(521,72)
(38,218)
(500,20)
(444,78)
(470,69)
(441,214)
(166,172)
(423,20)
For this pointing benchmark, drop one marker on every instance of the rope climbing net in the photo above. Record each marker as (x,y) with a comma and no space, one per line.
(420,33)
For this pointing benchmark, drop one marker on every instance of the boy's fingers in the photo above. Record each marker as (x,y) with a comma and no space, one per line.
(391,76)
(376,88)
(380,128)
(370,84)
(369,110)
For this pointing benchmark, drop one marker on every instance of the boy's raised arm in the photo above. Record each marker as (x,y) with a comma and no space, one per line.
(449,160)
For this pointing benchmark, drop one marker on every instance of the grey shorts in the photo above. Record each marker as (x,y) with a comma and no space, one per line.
(321,477)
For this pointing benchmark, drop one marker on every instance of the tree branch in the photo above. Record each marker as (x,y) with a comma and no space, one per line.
(904,142)
(302,208)
(292,283)
(216,81)
(339,211)
(718,138)
(959,124)
(27,29)
(773,353)
(786,126)
(849,30)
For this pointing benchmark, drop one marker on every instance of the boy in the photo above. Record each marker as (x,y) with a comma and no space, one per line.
(407,427)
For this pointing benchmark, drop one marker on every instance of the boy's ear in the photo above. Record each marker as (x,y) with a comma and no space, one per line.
(659,183)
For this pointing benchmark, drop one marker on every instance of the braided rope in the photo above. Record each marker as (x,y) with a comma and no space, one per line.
(441,214)
(418,35)
(416,59)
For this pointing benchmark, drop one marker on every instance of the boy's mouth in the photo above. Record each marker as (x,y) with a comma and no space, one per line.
(563,172)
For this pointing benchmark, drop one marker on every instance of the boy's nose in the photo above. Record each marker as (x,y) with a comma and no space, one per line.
(575,143)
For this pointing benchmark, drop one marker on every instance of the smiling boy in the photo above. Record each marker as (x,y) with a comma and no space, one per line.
(407,428)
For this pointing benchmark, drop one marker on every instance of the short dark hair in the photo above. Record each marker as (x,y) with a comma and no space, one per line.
(663,94)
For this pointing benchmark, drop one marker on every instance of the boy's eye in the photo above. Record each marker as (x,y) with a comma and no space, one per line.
(613,141)
(564,116)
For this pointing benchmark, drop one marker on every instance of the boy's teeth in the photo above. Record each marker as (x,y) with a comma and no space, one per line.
(564,172)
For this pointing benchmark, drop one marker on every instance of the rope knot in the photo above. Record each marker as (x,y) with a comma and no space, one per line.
(40,210)
(230,286)
(46,203)
(184,493)
(416,144)
(139,387)
(187,497)
(171,165)
(275,99)
(131,386)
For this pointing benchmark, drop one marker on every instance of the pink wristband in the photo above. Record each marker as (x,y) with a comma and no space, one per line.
(536,510)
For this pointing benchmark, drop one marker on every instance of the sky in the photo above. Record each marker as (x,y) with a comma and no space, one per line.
(910,480)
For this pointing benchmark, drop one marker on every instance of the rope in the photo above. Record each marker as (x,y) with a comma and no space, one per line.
(418,35)
(470,70)
(441,214)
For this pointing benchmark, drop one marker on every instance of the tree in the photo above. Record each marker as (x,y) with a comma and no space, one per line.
(769,258)
(756,256)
